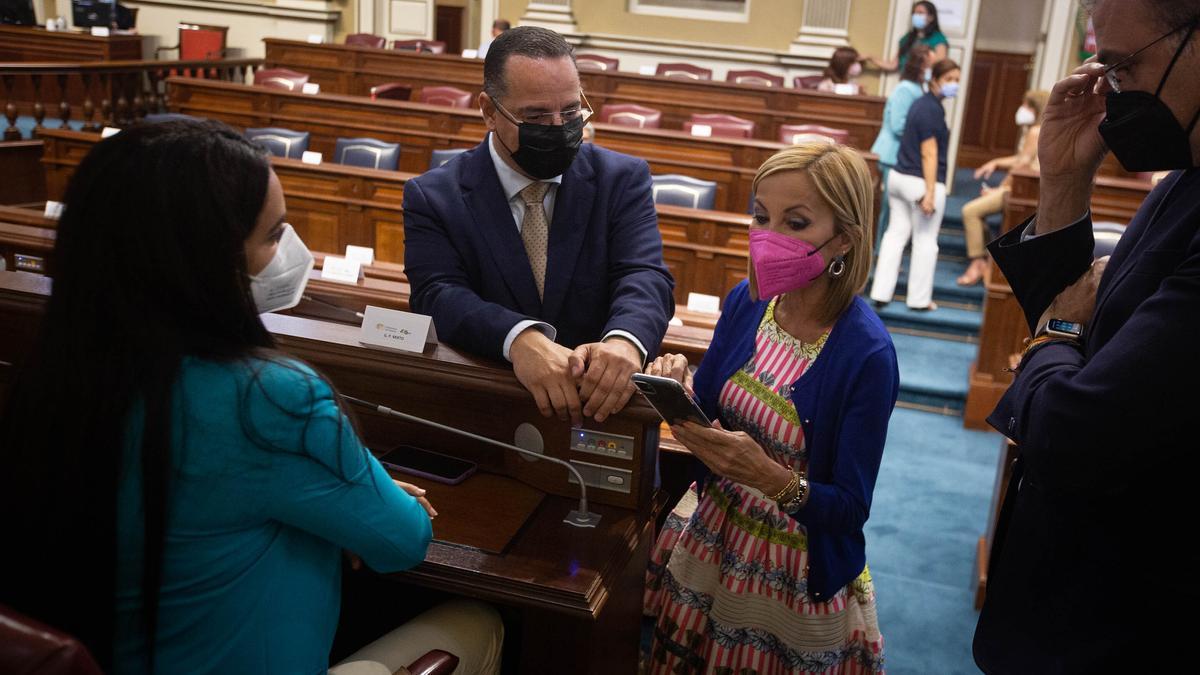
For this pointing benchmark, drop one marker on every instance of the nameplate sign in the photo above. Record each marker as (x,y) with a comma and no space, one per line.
(702,302)
(109,131)
(647,70)
(396,330)
(100,31)
(365,255)
(701,130)
(311,157)
(470,53)
(315,38)
(311,88)
(53,210)
(845,89)
(341,270)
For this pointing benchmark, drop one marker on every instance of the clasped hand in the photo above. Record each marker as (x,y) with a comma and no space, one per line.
(593,379)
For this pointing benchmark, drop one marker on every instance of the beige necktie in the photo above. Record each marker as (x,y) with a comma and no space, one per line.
(535,231)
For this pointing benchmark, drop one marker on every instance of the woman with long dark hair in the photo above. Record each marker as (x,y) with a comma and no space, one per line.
(177,493)
(844,68)
(925,30)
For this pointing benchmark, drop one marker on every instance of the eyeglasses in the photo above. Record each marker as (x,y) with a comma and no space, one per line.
(582,111)
(1114,79)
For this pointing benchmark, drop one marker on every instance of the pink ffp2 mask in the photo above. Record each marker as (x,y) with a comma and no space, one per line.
(782,263)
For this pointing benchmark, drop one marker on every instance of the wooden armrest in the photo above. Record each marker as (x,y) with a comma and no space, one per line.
(434,662)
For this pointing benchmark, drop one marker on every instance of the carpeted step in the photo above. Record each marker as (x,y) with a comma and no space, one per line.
(933,373)
(949,322)
(945,286)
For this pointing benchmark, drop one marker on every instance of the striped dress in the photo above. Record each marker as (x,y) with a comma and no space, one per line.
(727,580)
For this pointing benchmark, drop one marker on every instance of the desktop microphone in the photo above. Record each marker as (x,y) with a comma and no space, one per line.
(579,517)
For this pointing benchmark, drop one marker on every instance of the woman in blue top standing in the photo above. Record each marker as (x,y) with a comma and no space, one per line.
(925,31)
(895,115)
(801,378)
(180,492)
(916,193)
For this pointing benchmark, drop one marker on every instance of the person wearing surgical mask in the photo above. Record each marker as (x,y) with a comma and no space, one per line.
(924,29)
(991,199)
(800,380)
(916,192)
(841,75)
(212,482)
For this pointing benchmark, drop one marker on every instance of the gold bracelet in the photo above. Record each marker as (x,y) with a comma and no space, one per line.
(792,483)
(1041,340)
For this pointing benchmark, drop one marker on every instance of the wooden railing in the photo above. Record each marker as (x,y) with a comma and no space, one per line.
(108,93)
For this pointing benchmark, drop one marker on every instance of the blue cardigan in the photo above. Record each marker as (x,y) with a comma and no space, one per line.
(844,400)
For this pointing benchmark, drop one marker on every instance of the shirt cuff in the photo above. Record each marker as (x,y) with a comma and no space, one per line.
(545,329)
(1028,234)
(628,336)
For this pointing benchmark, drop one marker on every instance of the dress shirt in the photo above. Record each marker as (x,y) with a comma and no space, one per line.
(512,182)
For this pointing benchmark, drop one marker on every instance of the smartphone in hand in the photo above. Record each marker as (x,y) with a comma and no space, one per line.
(670,399)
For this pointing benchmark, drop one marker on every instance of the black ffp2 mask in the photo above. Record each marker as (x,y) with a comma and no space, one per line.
(547,150)
(1142,131)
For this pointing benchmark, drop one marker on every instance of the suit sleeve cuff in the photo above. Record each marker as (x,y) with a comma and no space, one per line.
(545,329)
(628,336)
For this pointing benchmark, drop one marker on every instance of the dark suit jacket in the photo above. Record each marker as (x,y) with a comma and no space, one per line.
(467,265)
(1096,543)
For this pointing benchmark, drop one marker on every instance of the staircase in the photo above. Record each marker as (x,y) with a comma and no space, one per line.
(936,349)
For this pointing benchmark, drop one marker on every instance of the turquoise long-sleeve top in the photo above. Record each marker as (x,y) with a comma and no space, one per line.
(269,485)
(895,115)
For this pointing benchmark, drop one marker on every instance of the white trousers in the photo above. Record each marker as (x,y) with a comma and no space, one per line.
(470,630)
(904,194)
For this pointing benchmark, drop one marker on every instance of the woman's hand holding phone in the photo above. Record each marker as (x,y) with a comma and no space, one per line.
(674,366)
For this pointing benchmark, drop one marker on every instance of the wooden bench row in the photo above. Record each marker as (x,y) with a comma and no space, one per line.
(354,70)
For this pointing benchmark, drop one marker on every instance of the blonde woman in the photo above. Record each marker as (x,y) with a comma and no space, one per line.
(991,200)
(762,565)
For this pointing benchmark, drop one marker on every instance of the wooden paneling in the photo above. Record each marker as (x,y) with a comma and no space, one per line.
(31,44)
(354,70)
(1004,330)
(999,81)
(20,168)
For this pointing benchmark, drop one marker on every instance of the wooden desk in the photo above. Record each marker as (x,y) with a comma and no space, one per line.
(576,592)
(354,70)
(1004,330)
(27,44)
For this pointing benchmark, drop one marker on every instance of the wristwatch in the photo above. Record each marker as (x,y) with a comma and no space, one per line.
(1066,330)
(797,502)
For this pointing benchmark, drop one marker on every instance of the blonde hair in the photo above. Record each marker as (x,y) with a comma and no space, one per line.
(844,182)
(1037,99)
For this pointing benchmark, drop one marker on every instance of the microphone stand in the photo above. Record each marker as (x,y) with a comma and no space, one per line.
(580,517)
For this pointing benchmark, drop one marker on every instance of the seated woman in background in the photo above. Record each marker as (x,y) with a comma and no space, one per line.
(925,31)
(916,192)
(895,116)
(841,75)
(991,200)
(180,491)
(801,379)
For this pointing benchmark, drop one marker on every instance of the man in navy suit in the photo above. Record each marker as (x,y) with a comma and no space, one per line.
(1091,564)
(536,247)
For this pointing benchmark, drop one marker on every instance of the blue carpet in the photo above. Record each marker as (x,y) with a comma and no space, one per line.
(933,372)
(25,124)
(945,282)
(944,321)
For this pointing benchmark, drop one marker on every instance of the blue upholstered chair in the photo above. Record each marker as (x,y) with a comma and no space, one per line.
(155,118)
(280,142)
(367,152)
(680,190)
(1107,235)
(440,157)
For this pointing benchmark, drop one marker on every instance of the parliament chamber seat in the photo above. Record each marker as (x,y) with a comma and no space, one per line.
(684,71)
(366,40)
(440,157)
(367,152)
(280,142)
(448,96)
(729,126)
(758,77)
(281,78)
(393,91)
(420,46)
(1107,235)
(793,134)
(807,81)
(631,115)
(198,42)
(33,648)
(683,191)
(596,62)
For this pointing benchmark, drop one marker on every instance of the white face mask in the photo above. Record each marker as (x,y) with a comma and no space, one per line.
(950,90)
(281,283)
(1025,116)
(928,74)
(854,71)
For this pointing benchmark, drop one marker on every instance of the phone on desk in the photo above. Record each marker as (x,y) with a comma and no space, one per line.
(428,464)
(670,399)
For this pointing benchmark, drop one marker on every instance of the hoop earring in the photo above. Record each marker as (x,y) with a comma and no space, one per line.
(838,267)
